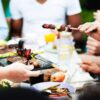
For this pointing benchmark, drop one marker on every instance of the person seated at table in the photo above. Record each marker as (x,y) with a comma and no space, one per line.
(28,16)
(3,24)
(91,60)
(93,42)
(17,72)
(92,29)
(21,94)
(90,92)
(92,67)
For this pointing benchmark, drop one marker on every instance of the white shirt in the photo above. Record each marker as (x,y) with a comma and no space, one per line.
(3,24)
(36,14)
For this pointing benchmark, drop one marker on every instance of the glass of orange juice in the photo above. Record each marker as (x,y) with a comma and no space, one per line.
(50,37)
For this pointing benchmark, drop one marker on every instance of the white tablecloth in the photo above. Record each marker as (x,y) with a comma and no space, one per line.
(77,77)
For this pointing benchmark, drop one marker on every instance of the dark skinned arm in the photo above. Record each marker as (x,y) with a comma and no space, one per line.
(16,28)
(75,21)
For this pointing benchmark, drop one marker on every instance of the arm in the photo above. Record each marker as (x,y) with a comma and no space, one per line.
(16,28)
(92,29)
(17,72)
(73,12)
(93,46)
(75,21)
(90,58)
(16,19)
(91,67)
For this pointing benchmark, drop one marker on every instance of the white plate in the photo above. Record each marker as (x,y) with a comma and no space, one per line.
(49,48)
(44,85)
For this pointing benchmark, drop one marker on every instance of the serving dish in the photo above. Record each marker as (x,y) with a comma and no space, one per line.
(55,90)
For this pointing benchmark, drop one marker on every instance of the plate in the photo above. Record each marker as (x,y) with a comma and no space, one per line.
(49,48)
(44,85)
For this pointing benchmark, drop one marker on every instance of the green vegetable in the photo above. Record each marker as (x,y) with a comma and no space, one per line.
(8,54)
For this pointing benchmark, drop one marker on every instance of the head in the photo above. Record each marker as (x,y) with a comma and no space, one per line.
(20,94)
(90,92)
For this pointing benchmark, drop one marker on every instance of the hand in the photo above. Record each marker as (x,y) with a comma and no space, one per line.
(93,46)
(18,72)
(90,67)
(97,15)
(89,29)
(85,57)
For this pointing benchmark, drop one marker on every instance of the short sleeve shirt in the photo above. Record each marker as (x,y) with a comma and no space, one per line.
(35,14)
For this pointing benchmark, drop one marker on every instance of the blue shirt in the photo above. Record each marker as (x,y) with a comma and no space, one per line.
(3,24)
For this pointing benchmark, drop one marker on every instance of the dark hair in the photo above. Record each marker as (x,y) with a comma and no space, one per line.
(90,92)
(20,94)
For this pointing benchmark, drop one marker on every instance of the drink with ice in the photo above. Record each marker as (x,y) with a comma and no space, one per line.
(65,49)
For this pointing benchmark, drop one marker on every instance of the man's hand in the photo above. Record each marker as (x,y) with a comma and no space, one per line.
(90,67)
(93,46)
(18,72)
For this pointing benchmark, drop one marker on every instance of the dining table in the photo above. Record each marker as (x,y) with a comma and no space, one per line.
(75,76)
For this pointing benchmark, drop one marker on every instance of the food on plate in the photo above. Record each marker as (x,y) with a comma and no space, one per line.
(8,54)
(16,58)
(56,92)
(5,83)
(59,28)
(35,63)
(23,60)
(48,26)
(58,77)
(8,50)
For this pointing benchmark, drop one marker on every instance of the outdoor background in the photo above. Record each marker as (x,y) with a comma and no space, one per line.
(88,7)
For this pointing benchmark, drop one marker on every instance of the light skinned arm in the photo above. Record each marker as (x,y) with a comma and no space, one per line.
(90,58)
(93,46)
(17,72)
(90,67)
(92,29)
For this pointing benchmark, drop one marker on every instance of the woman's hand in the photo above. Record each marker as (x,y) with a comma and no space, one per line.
(18,72)
(92,29)
(90,67)
(93,46)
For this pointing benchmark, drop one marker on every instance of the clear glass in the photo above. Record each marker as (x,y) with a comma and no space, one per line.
(65,50)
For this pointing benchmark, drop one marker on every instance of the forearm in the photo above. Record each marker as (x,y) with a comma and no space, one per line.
(75,21)
(16,28)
